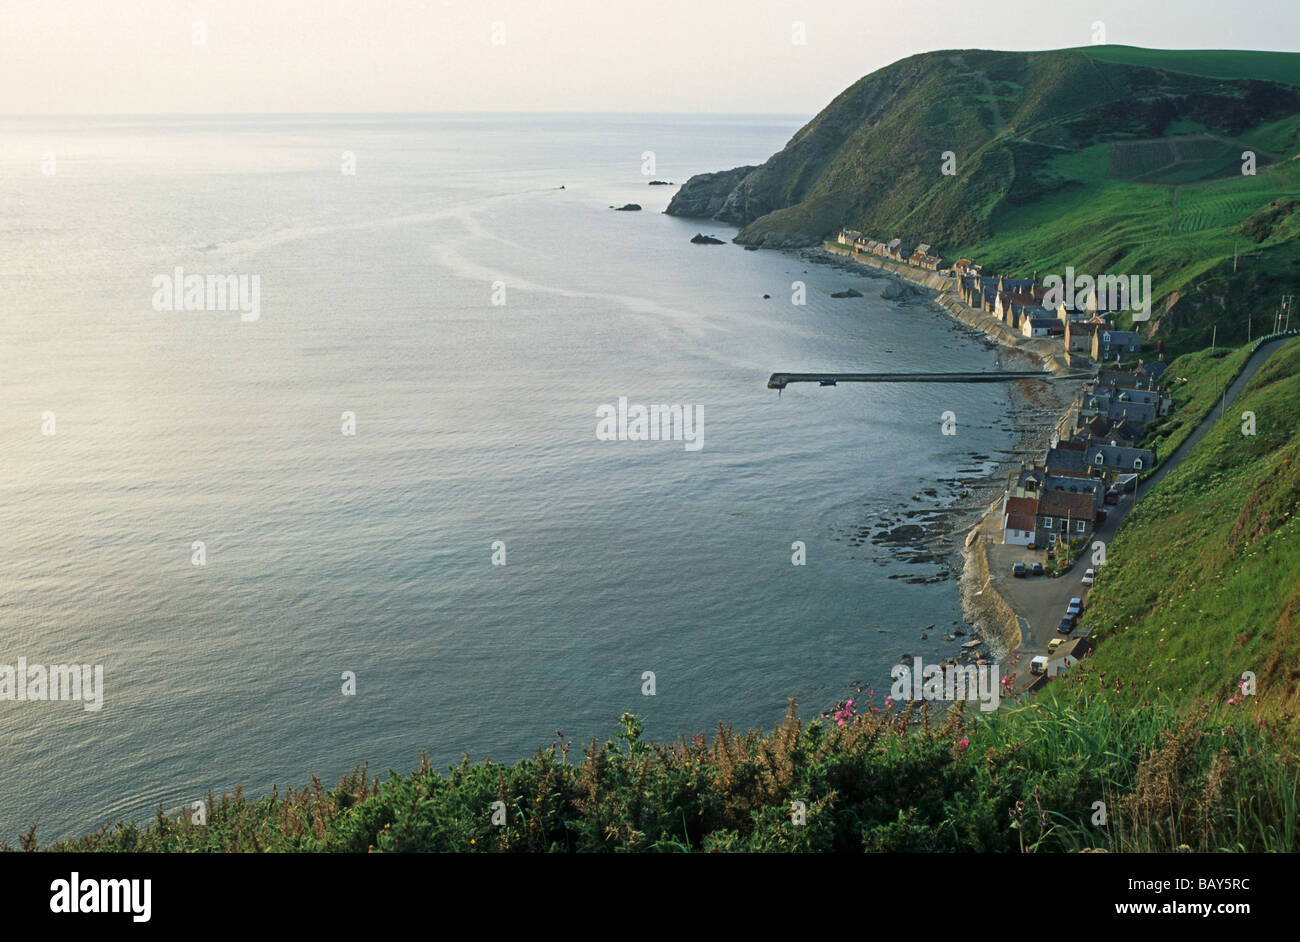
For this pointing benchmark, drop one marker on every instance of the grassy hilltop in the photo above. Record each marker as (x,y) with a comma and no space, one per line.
(1108,158)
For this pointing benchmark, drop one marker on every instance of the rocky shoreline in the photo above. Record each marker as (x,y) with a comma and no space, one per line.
(954,536)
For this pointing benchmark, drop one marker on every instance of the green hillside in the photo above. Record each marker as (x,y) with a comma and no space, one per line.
(1197,381)
(1109,159)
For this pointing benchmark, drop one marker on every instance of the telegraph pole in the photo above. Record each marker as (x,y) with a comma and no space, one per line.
(1218,372)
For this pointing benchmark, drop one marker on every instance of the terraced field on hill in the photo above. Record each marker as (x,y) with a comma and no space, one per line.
(1181,159)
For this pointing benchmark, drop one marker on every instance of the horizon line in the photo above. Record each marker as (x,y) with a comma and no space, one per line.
(236,114)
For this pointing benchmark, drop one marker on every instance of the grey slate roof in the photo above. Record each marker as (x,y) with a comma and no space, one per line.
(1118,457)
(1065,460)
(1153,370)
(1094,486)
(1116,338)
(1138,412)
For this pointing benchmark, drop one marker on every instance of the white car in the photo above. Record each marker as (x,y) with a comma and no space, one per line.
(1088,577)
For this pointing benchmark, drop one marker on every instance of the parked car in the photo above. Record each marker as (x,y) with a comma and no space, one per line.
(1075,607)
(1019,570)
(1054,644)
(1066,625)
(1089,576)
(1038,665)
(1037,569)
(1112,497)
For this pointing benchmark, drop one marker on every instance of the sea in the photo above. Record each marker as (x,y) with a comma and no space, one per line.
(376,520)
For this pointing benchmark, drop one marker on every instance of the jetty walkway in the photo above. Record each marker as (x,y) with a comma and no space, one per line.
(781,380)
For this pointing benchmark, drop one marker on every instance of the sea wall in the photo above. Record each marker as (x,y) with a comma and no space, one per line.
(988,612)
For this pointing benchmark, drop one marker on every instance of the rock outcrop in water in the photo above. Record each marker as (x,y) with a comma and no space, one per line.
(898,290)
(701,239)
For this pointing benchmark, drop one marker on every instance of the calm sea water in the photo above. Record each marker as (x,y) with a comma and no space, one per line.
(475,423)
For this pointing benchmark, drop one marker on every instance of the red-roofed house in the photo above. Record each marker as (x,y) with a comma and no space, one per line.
(1018,520)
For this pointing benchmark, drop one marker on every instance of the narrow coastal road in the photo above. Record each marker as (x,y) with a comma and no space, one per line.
(1041,601)
(1257,359)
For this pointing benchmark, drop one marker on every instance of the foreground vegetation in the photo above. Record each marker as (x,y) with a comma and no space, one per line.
(1027,780)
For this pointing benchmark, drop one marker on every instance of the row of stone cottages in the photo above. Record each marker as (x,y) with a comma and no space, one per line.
(896,249)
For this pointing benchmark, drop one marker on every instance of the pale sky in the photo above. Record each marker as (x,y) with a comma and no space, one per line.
(140,56)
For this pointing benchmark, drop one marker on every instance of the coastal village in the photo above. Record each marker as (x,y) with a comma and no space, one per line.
(1087,332)
(1053,506)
